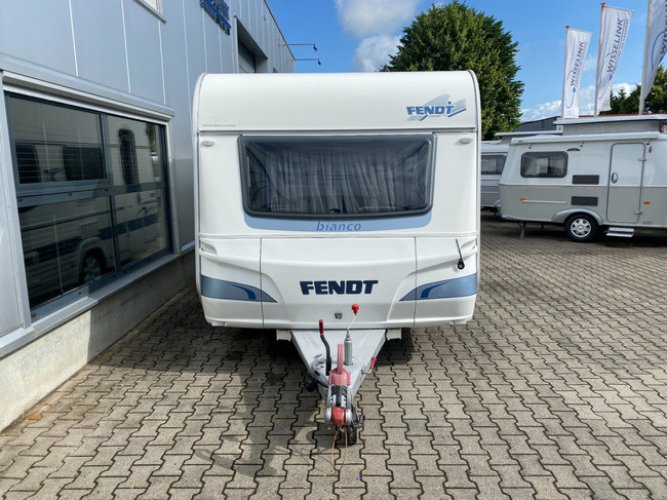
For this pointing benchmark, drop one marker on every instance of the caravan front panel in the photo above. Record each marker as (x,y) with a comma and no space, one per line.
(319,191)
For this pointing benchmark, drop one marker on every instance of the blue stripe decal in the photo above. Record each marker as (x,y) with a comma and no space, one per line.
(229,290)
(337,226)
(445,289)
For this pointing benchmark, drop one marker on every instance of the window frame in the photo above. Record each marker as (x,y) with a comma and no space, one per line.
(244,169)
(544,154)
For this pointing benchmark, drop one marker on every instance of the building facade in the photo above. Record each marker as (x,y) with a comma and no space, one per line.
(96,167)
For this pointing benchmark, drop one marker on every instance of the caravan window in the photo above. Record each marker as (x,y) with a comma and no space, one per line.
(544,164)
(493,164)
(337,176)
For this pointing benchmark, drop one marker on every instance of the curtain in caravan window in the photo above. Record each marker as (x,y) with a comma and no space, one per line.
(544,164)
(493,164)
(338,176)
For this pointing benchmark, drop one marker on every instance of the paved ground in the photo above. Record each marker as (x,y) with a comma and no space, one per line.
(557,389)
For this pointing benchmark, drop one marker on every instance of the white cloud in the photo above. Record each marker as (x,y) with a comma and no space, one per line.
(590,64)
(586,103)
(370,17)
(628,87)
(587,100)
(374,51)
(544,110)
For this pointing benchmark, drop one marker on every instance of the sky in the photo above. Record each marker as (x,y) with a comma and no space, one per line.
(359,35)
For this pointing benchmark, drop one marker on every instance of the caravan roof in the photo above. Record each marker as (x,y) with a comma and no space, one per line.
(611,118)
(322,103)
(489,147)
(506,137)
(610,124)
(600,136)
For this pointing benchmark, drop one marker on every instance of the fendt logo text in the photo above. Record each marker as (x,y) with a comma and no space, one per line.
(349,287)
(440,107)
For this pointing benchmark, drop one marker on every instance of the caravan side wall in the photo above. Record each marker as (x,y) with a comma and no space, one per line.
(338,189)
(619,179)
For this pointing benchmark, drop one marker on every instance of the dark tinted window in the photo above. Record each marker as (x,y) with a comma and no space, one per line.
(136,152)
(54,143)
(83,218)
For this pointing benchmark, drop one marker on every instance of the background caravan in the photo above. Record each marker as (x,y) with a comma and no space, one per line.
(494,155)
(601,173)
(319,192)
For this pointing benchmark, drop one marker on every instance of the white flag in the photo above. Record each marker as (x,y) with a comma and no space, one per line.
(576,47)
(656,43)
(614,31)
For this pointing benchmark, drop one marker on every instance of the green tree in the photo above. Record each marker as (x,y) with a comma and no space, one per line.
(458,37)
(656,102)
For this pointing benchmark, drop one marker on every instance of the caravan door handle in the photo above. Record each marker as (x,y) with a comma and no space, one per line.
(614,177)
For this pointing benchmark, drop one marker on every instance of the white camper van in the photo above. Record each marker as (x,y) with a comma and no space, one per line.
(604,173)
(317,193)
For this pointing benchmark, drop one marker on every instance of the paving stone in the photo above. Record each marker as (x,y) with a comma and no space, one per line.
(526,401)
(34,479)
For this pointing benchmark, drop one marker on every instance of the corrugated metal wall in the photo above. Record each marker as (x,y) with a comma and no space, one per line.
(124,51)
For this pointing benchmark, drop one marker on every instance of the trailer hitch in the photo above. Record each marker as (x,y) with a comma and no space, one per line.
(356,354)
(340,410)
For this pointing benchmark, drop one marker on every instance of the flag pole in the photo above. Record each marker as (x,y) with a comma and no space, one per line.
(597,72)
(647,43)
(562,103)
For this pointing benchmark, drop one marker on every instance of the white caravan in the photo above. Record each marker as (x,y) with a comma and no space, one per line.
(321,192)
(494,154)
(605,173)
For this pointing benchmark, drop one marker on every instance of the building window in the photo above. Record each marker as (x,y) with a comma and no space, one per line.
(247,63)
(127,148)
(91,195)
(156,5)
(544,164)
(493,164)
(55,144)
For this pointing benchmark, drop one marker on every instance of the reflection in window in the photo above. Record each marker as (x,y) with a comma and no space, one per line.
(115,213)
(65,245)
(155,4)
(83,163)
(128,156)
(136,152)
(55,143)
(140,225)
